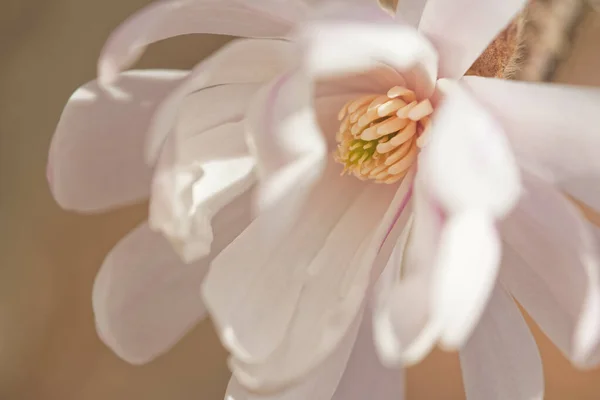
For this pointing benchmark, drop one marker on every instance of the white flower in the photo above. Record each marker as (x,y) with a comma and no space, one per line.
(290,285)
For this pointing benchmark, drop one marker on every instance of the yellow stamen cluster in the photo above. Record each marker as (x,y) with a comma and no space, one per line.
(380,135)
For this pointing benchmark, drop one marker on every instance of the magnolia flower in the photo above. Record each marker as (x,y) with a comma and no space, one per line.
(254,157)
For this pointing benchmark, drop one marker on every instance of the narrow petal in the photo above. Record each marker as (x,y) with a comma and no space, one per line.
(242,62)
(169,18)
(145,299)
(468,163)
(96,157)
(462,29)
(551,266)
(540,121)
(404,332)
(501,360)
(465,273)
(194,179)
(364,45)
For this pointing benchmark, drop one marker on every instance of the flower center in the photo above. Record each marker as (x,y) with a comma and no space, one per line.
(380,135)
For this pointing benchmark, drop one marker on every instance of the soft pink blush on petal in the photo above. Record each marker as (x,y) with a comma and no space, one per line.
(145,299)
(542,138)
(164,19)
(462,29)
(96,157)
(551,266)
(240,64)
(501,360)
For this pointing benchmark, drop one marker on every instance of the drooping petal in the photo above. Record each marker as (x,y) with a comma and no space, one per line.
(462,29)
(145,299)
(96,157)
(242,62)
(468,163)
(194,179)
(364,45)
(169,18)
(551,266)
(551,128)
(501,360)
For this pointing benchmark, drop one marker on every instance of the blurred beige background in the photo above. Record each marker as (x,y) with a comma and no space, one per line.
(48,258)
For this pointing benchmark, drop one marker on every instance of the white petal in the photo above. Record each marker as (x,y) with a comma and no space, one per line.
(365,377)
(403,328)
(361,46)
(411,11)
(468,162)
(260,257)
(168,18)
(306,287)
(501,360)
(240,62)
(287,141)
(96,159)
(540,121)
(194,180)
(551,266)
(350,375)
(462,29)
(145,299)
(465,273)
(330,369)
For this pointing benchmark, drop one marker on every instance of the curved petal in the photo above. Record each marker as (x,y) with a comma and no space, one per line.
(465,273)
(145,299)
(96,159)
(195,179)
(289,163)
(468,163)
(362,45)
(404,331)
(164,19)
(365,377)
(551,266)
(322,382)
(501,360)
(242,62)
(462,29)
(540,121)
(298,293)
